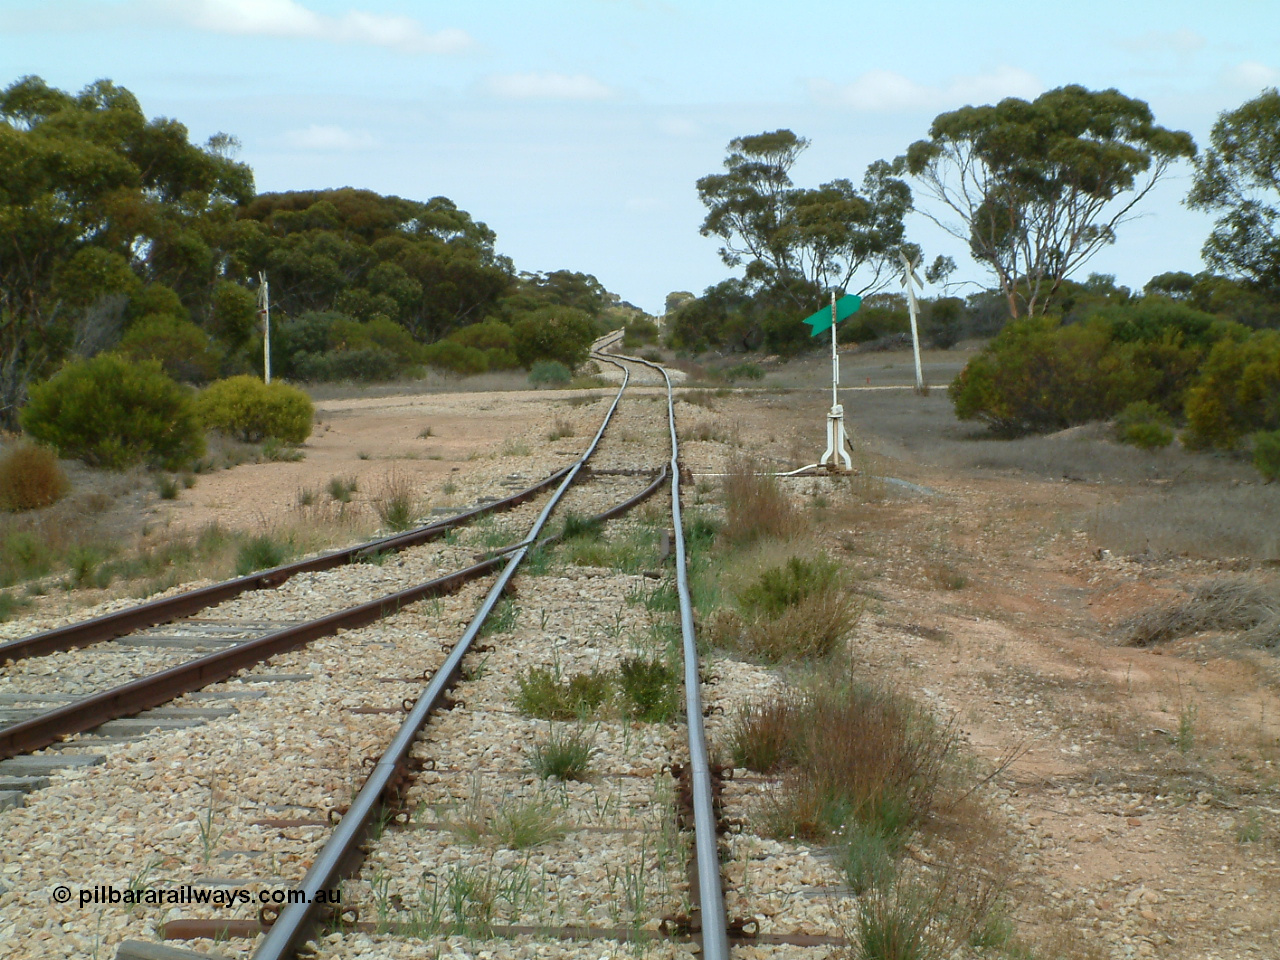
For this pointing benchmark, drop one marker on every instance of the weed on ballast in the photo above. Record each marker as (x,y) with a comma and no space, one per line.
(866,856)
(661,598)
(578,527)
(519,824)
(547,695)
(474,896)
(565,754)
(932,916)
(629,550)
(502,619)
(211,830)
(649,687)
(762,736)
(562,428)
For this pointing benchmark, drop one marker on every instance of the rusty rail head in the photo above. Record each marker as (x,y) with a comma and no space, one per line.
(145,615)
(137,695)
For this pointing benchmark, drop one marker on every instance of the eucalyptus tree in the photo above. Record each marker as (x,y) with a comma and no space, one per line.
(1239,176)
(1037,188)
(802,241)
(96,200)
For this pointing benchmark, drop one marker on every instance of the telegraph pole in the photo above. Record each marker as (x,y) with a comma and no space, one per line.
(264,317)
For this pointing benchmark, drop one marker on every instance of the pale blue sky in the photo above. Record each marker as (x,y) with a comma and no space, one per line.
(577,129)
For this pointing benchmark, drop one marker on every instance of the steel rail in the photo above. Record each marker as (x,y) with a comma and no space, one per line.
(714,925)
(137,695)
(145,615)
(341,853)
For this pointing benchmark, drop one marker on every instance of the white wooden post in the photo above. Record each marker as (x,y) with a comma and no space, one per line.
(835,419)
(908,277)
(264,311)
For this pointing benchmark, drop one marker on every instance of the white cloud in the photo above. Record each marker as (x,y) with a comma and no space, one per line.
(290,18)
(323,138)
(1252,75)
(547,86)
(883,90)
(679,127)
(1182,42)
(644,204)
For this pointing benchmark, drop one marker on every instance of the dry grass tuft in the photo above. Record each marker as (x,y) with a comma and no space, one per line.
(756,506)
(1223,603)
(396,502)
(787,612)
(851,751)
(30,478)
(809,629)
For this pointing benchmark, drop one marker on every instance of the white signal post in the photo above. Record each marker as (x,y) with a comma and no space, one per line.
(835,419)
(264,314)
(910,280)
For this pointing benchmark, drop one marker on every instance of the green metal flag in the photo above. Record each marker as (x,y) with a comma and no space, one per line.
(845,307)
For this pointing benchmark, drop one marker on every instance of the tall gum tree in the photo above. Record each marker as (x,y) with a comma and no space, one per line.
(1239,176)
(95,200)
(802,241)
(1037,188)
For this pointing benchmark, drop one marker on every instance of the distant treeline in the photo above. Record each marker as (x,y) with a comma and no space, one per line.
(119,234)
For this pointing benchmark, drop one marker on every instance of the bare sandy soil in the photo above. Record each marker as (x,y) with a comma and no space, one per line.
(424,439)
(1145,804)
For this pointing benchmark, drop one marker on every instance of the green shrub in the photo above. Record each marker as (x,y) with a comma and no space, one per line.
(639,332)
(744,371)
(30,477)
(1266,453)
(1144,425)
(250,410)
(454,357)
(1238,392)
(24,556)
(486,335)
(1039,374)
(110,412)
(184,350)
(778,588)
(563,334)
(365,365)
(550,373)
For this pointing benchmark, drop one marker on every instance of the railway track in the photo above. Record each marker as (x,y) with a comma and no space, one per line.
(394,758)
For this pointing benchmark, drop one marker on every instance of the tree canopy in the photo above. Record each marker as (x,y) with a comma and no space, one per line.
(1039,187)
(118,233)
(97,201)
(802,241)
(425,265)
(1239,176)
